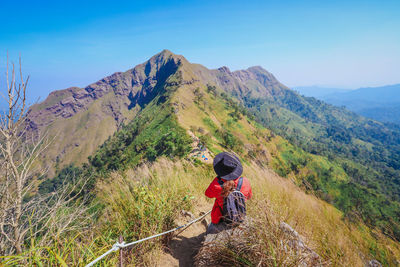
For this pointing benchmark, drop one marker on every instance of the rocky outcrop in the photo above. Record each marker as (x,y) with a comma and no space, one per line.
(295,242)
(83,112)
(209,253)
(135,85)
(373,263)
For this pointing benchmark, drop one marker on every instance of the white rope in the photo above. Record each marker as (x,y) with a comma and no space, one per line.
(115,247)
(118,245)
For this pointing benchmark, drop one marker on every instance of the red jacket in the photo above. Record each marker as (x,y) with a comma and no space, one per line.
(215,190)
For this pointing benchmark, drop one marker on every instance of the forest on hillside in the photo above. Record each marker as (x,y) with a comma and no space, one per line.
(368,152)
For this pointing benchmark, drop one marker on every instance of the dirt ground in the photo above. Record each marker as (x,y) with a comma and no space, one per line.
(182,249)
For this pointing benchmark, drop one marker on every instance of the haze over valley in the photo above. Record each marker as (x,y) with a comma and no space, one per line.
(379,103)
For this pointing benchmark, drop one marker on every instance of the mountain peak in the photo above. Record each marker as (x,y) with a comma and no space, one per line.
(165,55)
(224,69)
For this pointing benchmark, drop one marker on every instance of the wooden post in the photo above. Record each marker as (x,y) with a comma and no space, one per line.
(121,253)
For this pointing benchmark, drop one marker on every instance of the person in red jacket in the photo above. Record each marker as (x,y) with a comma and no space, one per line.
(228,168)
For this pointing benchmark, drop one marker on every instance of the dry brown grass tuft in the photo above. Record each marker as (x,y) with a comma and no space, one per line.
(260,242)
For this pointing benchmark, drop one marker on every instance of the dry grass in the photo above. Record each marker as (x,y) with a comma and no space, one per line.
(337,242)
(276,200)
(146,200)
(260,242)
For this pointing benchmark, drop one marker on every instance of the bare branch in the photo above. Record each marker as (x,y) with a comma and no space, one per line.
(48,215)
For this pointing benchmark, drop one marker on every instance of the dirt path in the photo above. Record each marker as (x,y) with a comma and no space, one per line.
(183,247)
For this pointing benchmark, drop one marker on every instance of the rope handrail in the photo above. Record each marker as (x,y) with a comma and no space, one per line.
(118,245)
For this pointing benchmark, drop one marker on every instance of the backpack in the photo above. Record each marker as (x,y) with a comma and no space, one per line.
(234,208)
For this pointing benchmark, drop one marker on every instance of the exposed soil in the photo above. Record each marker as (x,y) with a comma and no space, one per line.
(184,246)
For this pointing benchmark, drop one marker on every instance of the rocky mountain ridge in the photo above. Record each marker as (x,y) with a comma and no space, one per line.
(133,84)
(118,98)
(114,100)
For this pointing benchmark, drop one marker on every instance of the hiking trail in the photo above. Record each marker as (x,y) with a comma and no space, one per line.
(182,249)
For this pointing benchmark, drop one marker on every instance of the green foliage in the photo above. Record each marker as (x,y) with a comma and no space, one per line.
(238,109)
(198,96)
(207,121)
(212,89)
(230,141)
(206,139)
(360,202)
(368,151)
(132,208)
(154,132)
(65,176)
(141,210)
(227,139)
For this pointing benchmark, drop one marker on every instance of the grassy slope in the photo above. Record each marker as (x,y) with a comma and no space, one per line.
(213,115)
(368,151)
(152,133)
(371,191)
(147,199)
(128,206)
(288,160)
(285,158)
(76,138)
(339,243)
(285,113)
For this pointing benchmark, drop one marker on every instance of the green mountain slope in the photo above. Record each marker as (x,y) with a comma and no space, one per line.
(323,149)
(368,151)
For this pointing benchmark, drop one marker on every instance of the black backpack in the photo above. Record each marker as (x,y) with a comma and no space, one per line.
(234,208)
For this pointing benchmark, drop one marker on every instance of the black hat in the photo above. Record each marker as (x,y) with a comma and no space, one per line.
(227,166)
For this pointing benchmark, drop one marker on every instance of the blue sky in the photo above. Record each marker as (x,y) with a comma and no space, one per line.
(329,43)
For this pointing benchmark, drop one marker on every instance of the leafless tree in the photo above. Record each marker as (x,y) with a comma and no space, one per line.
(24,213)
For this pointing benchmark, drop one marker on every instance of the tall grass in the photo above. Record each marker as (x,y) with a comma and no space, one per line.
(277,199)
(137,208)
(322,226)
(135,204)
(147,200)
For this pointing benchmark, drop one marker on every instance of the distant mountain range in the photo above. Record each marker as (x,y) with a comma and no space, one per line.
(318,91)
(379,103)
